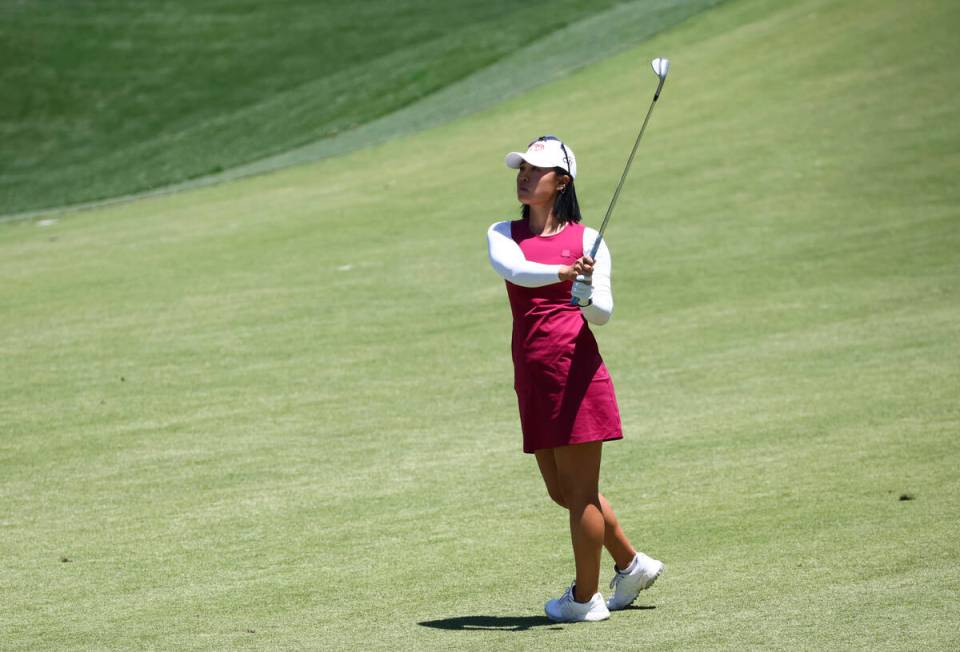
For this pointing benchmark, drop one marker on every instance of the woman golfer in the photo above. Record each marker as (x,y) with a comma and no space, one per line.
(566,398)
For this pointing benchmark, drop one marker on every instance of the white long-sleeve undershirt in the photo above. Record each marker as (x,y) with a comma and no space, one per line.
(508,261)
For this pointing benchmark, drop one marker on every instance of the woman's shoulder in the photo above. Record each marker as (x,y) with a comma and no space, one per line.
(590,236)
(584,232)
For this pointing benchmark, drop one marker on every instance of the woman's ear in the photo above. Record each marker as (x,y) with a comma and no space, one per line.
(562,182)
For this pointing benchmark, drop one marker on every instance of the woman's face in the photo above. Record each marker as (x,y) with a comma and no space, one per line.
(537,185)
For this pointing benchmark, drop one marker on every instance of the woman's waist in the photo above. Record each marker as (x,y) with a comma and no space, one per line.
(562,328)
(548,319)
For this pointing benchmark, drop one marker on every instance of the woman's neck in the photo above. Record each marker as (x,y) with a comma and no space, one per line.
(542,221)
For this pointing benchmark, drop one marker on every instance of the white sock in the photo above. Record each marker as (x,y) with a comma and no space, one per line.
(632,565)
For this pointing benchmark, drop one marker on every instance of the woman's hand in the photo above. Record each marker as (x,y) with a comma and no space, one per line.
(583,267)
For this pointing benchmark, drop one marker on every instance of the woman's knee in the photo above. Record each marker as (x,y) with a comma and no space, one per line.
(577,497)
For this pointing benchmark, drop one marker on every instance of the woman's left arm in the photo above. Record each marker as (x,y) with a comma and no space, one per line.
(601,308)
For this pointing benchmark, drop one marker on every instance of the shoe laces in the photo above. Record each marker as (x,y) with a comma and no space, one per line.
(617,576)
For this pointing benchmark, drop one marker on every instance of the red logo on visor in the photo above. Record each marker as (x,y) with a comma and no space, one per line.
(537,146)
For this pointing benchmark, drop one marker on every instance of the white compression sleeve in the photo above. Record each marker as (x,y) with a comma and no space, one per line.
(601,309)
(509,262)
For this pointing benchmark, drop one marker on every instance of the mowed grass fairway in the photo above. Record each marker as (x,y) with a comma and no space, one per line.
(278,413)
(102,98)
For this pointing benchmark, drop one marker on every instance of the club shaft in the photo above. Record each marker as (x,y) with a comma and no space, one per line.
(623,177)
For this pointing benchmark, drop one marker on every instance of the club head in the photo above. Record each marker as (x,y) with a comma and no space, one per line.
(661,66)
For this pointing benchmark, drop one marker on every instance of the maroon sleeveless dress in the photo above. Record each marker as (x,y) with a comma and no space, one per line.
(563,389)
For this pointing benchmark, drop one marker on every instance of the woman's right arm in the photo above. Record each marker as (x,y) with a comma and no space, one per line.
(509,262)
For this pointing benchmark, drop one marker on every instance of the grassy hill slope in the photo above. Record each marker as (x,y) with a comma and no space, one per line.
(103,98)
(278,413)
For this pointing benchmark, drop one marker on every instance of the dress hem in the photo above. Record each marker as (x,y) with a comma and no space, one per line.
(531,451)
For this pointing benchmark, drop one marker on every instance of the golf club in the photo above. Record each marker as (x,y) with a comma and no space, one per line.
(660,67)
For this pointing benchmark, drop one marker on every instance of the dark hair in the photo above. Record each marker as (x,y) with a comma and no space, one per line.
(565,204)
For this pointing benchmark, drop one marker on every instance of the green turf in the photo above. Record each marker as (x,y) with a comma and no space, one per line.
(277,413)
(102,98)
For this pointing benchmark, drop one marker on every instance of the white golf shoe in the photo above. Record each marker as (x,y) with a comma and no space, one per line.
(566,609)
(626,585)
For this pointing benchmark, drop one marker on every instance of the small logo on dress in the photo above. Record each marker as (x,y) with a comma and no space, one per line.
(565,253)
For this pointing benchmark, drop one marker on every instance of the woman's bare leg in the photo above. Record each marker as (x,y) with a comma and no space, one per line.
(614,539)
(578,470)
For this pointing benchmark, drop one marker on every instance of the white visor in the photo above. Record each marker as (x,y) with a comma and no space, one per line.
(546,152)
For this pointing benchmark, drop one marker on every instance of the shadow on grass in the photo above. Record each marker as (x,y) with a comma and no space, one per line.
(502,623)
